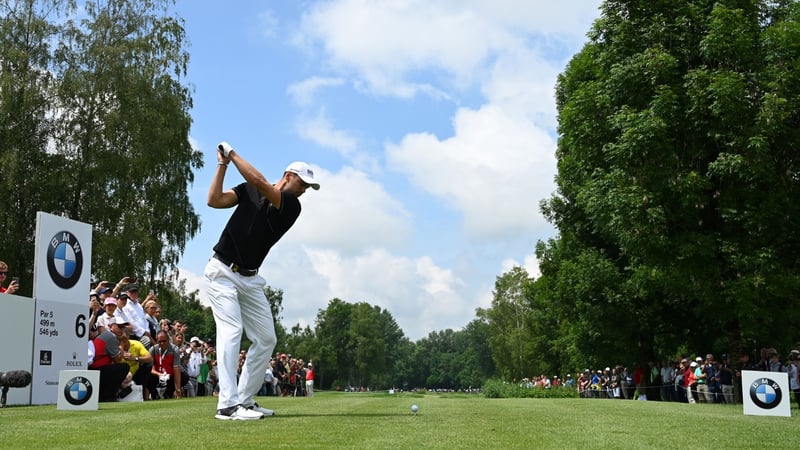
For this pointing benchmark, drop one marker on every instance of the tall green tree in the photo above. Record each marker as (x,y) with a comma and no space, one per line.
(30,174)
(95,128)
(677,179)
(510,321)
(359,344)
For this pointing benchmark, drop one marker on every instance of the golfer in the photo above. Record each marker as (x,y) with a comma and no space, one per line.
(264,212)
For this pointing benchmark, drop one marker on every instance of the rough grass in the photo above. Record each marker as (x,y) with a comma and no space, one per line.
(380,420)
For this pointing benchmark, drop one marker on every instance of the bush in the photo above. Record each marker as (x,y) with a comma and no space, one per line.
(495,388)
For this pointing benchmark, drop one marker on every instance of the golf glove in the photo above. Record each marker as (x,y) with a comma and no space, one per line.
(225,149)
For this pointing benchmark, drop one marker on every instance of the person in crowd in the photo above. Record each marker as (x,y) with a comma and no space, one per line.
(95,309)
(775,364)
(165,326)
(640,382)
(793,369)
(176,329)
(690,384)
(597,379)
(269,377)
(743,364)
(700,380)
(710,369)
(614,383)
(763,362)
(626,381)
(137,315)
(152,312)
(680,372)
(196,359)
(183,350)
(569,382)
(13,286)
(140,363)
(667,381)
(109,315)
(310,380)
(585,384)
(166,371)
(204,379)
(240,363)
(108,361)
(129,309)
(726,377)
(653,381)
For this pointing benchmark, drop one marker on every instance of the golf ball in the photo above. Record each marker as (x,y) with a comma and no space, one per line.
(414,408)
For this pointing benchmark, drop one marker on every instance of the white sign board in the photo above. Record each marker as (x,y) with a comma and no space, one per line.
(78,390)
(61,282)
(17,338)
(766,393)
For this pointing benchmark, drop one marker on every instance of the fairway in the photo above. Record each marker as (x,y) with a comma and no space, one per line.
(380,420)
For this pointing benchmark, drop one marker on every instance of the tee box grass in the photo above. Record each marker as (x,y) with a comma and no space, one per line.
(383,421)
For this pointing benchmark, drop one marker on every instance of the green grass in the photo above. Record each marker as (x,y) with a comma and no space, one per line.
(379,420)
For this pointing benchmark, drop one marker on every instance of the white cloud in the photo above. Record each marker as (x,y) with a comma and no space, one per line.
(494,170)
(194,282)
(303,92)
(389,43)
(319,130)
(530,264)
(421,296)
(350,213)
(268,24)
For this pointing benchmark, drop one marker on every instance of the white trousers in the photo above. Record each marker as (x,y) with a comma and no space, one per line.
(310,388)
(239,306)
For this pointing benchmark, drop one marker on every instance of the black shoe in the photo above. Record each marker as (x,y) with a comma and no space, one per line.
(125,391)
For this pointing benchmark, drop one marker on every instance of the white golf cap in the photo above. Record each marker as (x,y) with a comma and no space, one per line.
(305,173)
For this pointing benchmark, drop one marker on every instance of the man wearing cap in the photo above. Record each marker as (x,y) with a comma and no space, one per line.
(135,313)
(264,213)
(701,378)
(689,382)
(108,360)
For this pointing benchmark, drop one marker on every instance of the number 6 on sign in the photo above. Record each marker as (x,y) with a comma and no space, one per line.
(80,326)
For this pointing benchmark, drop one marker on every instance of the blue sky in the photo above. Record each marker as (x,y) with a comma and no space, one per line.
(430,125)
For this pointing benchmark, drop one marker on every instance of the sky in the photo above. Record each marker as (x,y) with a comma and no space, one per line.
(430,125)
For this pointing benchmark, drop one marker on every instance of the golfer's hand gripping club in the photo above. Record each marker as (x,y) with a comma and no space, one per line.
(225,149)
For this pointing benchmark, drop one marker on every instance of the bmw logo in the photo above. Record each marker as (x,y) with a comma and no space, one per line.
(765,393)
(78,390)
(64,259)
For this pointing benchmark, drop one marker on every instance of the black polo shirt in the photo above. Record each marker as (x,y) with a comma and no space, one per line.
(255,226)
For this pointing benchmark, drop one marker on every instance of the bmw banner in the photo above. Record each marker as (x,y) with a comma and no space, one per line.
(61,283)
(766,393)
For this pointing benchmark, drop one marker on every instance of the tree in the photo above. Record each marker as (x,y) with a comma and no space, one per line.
(677,173)
(510,324)
(359,344)
(29,175)
(98,125)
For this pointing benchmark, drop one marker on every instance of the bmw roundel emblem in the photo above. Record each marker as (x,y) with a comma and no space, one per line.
(64,259)
(765,393)
(78,390)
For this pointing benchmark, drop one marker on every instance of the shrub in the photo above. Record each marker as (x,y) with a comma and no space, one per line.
(495,388)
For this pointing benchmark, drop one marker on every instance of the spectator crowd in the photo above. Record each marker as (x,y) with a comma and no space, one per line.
(143,356)
(688,380)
